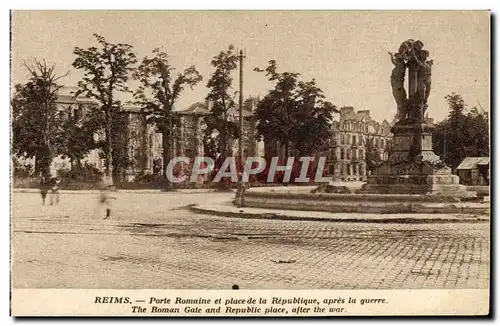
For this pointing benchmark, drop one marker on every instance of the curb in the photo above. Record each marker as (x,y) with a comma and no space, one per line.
(125,191)
(274,216)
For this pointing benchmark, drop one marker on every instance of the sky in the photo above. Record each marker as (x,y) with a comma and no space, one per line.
(345,51)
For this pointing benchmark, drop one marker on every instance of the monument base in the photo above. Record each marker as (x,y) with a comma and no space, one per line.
(413,167)
(439,185)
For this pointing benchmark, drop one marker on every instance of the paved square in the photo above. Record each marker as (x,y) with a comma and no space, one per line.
(153,241)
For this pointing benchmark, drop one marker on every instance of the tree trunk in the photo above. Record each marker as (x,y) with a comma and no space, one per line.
(167,150)
(227,181)
(287,145)
(109,147)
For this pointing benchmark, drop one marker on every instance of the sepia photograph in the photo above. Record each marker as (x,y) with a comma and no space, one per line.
(250,163)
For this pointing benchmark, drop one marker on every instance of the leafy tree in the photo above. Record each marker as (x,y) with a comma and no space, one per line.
(106,72)
(21,170)
(210,145)
(464,133)
(314,116)
(275,112)
(76,137)
(120,144)
(220,99)
(36,120)
(158,94)
(294,113)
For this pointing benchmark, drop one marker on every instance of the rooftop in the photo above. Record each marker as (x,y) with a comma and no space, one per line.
(471,162)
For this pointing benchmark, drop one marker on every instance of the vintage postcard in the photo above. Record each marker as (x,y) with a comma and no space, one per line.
(250,163)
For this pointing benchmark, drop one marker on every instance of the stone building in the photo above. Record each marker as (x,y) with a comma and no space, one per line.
(141,143)
(189,137)
(353,134)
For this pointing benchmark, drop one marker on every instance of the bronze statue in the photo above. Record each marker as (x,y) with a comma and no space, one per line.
(397,83)
(424,76)
(411,55)
(408,48)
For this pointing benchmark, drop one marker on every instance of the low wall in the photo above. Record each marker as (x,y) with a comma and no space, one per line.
(361,203)
(480,190)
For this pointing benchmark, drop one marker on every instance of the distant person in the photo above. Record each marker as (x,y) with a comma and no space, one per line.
(54,190)
(105,199)
(44,187)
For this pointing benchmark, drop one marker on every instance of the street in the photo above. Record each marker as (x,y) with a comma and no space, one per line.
(153,241)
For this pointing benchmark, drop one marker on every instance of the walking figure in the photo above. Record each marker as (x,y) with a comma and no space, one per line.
(54,190)
(44,187)
(105,200)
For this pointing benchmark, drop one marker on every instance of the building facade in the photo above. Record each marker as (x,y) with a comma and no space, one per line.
(141,143)
(189,136)
(352,136)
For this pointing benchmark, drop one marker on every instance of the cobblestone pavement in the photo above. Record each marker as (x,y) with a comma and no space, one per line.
(151,241)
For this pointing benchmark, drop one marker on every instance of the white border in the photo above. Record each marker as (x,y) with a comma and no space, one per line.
(145,4)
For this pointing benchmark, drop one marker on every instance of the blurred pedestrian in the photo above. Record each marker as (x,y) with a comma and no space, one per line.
(44,187)
(105,199)
(54,190)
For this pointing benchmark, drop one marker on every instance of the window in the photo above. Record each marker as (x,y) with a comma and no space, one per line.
(341,153)
(360,154)
(354,139)
(347,139)
(77,113)
(342,139)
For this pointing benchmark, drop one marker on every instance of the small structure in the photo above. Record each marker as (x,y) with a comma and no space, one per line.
(474,171)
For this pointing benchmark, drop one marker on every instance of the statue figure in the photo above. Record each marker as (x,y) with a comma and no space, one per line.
(409,47)
(397,83)
(405,49)
(424,73)
(411,55)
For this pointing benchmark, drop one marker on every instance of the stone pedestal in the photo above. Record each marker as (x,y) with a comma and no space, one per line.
(413,167)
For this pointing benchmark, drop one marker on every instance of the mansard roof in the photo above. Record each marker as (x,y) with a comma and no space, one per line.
(198,108)
(71,99)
